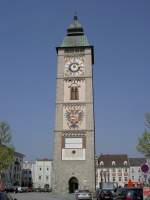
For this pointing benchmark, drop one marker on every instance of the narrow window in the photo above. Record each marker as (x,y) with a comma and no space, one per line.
(125,178)
(113,170)
(74,93)
(114,179)
(119,170)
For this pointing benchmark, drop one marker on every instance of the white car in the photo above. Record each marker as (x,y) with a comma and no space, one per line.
(19,189)
(84,195)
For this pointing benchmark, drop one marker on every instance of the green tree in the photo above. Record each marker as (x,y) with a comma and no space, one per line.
(6,157)
(6,149)
(143,145)
(5,133)
(147,117)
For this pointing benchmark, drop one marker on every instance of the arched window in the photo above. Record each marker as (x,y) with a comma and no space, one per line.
(74,93)
(125,163)
(101,163)
(113,163)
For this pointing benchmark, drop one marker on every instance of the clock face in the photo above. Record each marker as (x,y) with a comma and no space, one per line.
(74,66)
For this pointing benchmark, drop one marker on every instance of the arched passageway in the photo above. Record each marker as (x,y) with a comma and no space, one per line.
(73,184)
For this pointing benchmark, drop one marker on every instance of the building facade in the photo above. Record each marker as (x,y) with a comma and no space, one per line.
(16,169)
(42,174)
(74,134)
(13,176)
(27,176)
(120,169)
(136,174)
(113,168)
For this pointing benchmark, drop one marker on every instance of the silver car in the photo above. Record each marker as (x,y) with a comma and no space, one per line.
(83,195)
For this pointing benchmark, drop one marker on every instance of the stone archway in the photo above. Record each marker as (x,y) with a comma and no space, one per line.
(73,184)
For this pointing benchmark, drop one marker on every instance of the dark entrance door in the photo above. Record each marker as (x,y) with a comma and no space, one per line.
(73,184)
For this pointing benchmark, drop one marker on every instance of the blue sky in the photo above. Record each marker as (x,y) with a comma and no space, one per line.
(29,32)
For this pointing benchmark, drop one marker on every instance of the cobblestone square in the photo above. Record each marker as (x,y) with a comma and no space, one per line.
(41,196)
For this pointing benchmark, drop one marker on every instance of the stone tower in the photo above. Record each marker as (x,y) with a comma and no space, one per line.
(74,134)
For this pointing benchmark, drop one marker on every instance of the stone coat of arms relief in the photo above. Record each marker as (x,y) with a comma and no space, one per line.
(74,116)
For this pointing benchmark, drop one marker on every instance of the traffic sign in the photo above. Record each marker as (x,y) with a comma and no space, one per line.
(145,168)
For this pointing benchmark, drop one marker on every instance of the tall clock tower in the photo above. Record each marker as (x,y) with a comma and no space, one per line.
(74,134)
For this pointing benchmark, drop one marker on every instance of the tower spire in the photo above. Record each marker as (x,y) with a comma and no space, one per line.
(75,35)
(75,16)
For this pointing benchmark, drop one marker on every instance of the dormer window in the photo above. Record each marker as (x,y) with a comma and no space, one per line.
(113,163)
(125,163)
(101,163)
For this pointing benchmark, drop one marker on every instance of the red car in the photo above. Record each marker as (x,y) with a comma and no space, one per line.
(129,194)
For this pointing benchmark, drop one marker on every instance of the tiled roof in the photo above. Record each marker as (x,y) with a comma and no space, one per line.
(19,154)
(75,41)
(136,161)
(44,159)
(119,160)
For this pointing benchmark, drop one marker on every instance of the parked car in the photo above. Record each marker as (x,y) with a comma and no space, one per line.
(29,189)
(37,190)
(105,194)
(20,190)
(9,189)
(83,195)
(12,189)
(129,194)
(5,196)
(97,192)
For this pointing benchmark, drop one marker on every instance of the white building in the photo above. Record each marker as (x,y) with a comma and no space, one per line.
(136,174)
(112,168)
(42,173)
(120,169)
